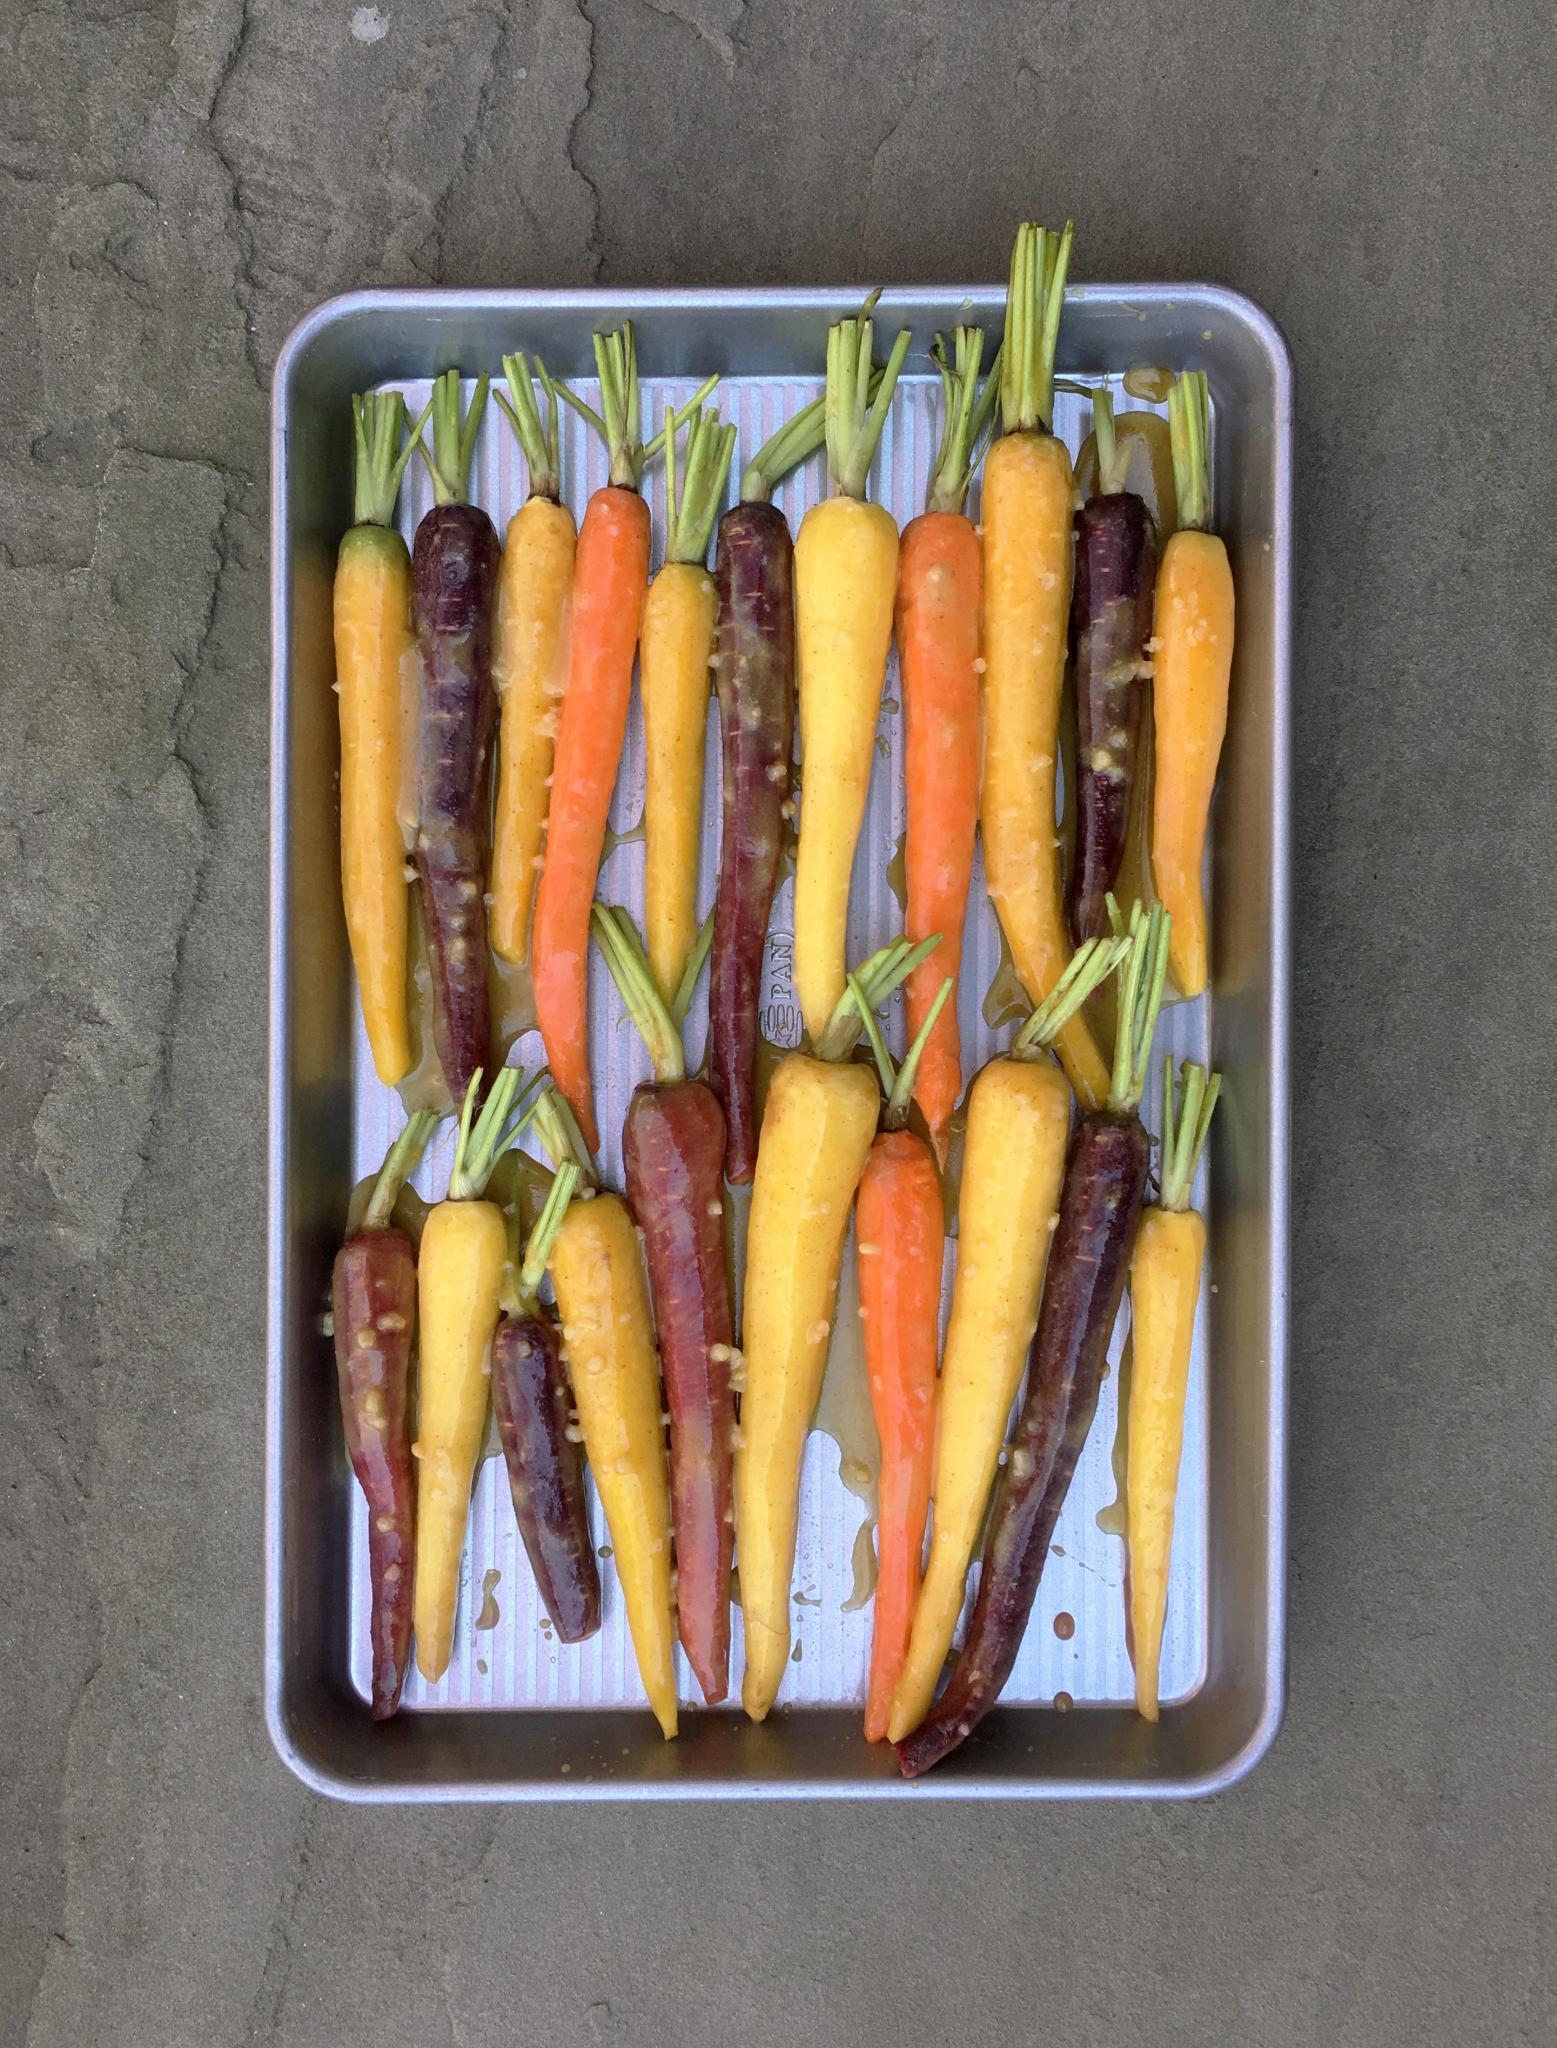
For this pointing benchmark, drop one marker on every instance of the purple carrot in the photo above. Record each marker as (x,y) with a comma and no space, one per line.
(541,1447)
(1110,624)
(373,1306)
(673,1150)
(1089,1258)
(453,576)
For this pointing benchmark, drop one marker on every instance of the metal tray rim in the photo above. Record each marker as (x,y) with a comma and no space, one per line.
(1229,1771)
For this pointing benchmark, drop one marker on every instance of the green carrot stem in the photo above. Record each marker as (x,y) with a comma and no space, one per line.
(623,952)
(692,509)
(540,439)
(454,441)
(873,1037)
(1113,455)
(400,1162)
(617,422)
(1142,973)
(900,1093)
(1086,970)
(799,437)
(964,415)
(484,1138)
(855,418)
(383,450)
(537,1252)
(1184,1128)
(1035,296)
(877,977)
(686,988)
(1189,425)
(557,1128)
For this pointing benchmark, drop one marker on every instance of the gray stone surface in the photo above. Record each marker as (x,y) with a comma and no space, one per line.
(179,183)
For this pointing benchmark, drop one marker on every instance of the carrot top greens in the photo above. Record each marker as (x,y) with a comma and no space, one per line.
(1086,970)
(1184,1127)
(856,403)
(692,494)
(558,1130)
(539,439)
(532,1268)
(1035,296)
(617,422)
(657,1022)
(484,1139)
(966,413)
(400,1162)
(454,442)
(1189,424)
(898,1085)
(868,988)
(799,436)
(1113,456)
(378,421)
(1142,971)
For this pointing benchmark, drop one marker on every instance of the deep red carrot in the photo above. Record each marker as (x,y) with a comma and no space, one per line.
(373,1306)
(1110,623)
(754,676)
(453,577)
(610,578)
(541,1446)
(1100,1207)
(939,593)
(673,1148)
(900,1241)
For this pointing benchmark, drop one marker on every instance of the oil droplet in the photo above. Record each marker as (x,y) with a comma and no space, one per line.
(1150,469)
(1152,385)
(513,1003)
(796,1653)
(897,870)
(1005,1000)
(1064,1626)
(1063,1703)
(605,1550)
(481,1666)
(1112,1520)
(863,1562)
(808,1599)
(844,1413)
(490,1614)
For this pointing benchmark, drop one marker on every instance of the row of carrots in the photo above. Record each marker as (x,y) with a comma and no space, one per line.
(1049,1219)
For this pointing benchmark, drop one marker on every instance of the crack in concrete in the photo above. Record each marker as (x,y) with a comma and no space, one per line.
(594,242)
(903,112)
(246,287)
(475,135)
(722,44)
(270,1993)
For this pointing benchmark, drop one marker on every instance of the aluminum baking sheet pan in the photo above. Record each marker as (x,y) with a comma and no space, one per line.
(519,1715)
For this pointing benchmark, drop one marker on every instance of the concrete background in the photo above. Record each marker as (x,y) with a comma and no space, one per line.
(179,184)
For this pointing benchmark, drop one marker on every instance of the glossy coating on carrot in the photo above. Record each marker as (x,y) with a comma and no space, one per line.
(754,674)
(1110,623)
(673,1151)
(373,1303)
(544,1455)
(453,572)
(1100,1206)
(900,1234)
(611,572)
(938,599)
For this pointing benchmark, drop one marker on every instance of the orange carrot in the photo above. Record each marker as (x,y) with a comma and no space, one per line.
(610,578)
(901,1237)
(939,591)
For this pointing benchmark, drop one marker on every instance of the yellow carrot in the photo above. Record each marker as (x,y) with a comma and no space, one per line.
(1012,1165)
(608,1340)
(372,640)
(1029,503)
(1194,656)
(675,653)
(817,1128)
(460,1270)
(531,657)
(1170,1252)
(845,587)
